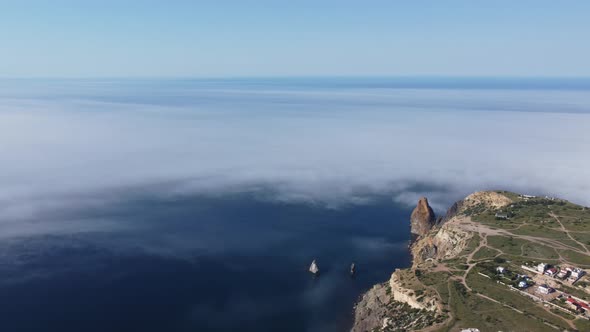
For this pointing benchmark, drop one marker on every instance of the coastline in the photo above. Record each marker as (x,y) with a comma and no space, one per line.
(478,260)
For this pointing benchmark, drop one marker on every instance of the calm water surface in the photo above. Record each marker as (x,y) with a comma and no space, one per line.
(233,262)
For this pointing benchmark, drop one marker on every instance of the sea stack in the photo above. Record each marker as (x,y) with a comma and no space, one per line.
(423,218)
(313,268)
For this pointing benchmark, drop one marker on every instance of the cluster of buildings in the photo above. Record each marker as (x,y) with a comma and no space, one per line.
(570,273)
(545,292)
(527,197)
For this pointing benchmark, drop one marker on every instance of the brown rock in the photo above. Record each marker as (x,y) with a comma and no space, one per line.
(452,211)
(422,218)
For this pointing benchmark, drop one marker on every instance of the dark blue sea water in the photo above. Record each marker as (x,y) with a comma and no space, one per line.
(234,262)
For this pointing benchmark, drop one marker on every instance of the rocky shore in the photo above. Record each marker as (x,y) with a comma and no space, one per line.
(469,270)
(389,306)
(378,310)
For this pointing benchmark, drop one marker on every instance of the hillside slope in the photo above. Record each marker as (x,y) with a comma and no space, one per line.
(480,269)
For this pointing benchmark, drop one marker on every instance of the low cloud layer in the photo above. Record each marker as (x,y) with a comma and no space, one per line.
(65,144)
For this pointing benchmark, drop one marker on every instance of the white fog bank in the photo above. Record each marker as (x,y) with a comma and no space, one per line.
(307,144)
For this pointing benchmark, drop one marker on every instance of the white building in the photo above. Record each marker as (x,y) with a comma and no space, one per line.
(551,272)
(563,273)
(577,273)
(544,289)
(522,284)
(500,269)
(500,215)
(542,267)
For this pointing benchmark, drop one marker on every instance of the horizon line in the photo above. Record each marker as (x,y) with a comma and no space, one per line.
(344,76)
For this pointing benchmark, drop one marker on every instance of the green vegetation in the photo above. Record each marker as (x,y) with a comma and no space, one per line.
(572,244)
(508,245)
(434,278)
(485,253)
(513,196)
(523,248)
(473,243)
(575,291)
(459,263)
(408,318)
(582,237)
(576,220)
(562,314)
(582,324)
(542,231)
(408,279)
(535,250)
(472,310)
(475,210)
(575,257)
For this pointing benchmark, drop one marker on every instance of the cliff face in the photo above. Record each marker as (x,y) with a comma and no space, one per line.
(403,289)
(401,304)
(387,308)
(373,309)
(422,218)
(447,243)
(453,211)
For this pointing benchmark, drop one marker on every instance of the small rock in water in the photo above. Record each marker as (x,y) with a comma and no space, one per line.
(313,268)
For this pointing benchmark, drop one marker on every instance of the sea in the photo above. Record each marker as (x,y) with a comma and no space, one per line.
(243,266)
(183,204)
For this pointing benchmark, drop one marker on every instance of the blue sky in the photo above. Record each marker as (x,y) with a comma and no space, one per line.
(282,38)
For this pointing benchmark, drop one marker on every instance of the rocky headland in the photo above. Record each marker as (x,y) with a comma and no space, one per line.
(453,283)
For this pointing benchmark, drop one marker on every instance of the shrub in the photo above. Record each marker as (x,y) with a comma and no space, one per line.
(499,260)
